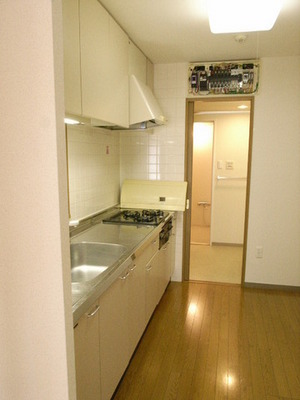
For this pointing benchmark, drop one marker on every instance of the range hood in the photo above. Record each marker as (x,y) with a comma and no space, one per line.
(143,106)
(144,110)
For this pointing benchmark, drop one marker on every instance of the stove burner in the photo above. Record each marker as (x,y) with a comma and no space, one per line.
(142,216)
(146,217)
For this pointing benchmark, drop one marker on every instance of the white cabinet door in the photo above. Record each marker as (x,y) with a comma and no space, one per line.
(136,303)
(122,319)
(104,65)
(152,285)
(96,54)
(116,87)
(94,37)
(113,332)
(173,246)
(87,360)
(71,43)
(165,258)
(137,63)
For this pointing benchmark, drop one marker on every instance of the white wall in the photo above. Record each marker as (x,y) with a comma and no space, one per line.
(274,218)
(36,335)
(94,169)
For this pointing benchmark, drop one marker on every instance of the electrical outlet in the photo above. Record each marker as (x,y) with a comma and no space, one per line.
(259,252)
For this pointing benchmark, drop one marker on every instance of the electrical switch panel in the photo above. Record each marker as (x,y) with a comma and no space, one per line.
(229,164)
(223,78)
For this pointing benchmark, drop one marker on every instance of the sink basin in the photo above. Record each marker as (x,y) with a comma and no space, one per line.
(88,260)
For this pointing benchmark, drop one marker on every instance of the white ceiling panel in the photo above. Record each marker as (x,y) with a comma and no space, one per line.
(169,31)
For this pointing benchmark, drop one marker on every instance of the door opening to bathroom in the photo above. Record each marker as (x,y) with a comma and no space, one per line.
(218,154)
(202,183)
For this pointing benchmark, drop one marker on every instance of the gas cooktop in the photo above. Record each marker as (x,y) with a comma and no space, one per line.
(137,217)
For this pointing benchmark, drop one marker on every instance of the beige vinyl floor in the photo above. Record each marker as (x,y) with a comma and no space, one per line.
(222,264)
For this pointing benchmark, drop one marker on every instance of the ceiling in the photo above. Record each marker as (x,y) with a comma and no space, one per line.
(171,31)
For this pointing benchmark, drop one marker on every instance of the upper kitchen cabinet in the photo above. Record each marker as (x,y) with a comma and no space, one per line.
(71,42)
(150,74)
(137,63)
(103,63)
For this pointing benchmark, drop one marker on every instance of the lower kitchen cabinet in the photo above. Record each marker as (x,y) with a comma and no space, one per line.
(136,303)
(172,242)
(87,355)
(113,335)
(152,285)
(106,340)
(165,259)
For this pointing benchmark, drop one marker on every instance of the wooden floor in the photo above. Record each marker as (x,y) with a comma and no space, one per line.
(210,341)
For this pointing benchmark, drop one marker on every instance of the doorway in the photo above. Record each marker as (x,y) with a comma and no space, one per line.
(202,182)
(218,174)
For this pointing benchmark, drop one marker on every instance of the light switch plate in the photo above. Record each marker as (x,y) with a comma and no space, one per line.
(229,164)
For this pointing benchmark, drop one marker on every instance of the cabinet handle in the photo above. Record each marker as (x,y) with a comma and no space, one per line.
(90,315)
(133,268)
(124,276)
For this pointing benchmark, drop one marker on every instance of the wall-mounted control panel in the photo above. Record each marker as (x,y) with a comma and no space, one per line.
(223,78)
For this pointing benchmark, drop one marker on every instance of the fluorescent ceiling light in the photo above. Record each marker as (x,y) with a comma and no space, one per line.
(233,16)
(242,107)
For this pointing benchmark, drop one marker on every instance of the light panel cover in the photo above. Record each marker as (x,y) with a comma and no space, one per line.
(233,16)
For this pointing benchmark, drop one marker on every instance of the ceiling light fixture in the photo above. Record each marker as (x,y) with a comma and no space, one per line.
(230,16)
(242,107)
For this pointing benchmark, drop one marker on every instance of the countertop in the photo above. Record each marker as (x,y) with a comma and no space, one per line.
(133,237)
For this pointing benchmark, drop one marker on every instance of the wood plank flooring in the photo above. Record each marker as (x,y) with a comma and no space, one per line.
(210,341)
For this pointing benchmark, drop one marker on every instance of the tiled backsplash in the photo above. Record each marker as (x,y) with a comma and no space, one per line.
(151,155)
(94,169)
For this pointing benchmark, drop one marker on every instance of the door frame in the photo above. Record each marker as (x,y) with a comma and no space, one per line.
(188,167)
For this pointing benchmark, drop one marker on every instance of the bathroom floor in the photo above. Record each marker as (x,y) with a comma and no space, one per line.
(221,264)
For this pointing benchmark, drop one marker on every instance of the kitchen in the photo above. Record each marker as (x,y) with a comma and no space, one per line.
(36,332)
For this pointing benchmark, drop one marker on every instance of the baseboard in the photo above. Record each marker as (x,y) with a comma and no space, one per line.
(264,286)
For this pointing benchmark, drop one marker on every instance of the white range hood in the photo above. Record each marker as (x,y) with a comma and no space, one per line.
(144,107)
(144,110)
(162,195)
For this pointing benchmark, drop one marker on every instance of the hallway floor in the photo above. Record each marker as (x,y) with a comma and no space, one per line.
(216,263)
(211,341)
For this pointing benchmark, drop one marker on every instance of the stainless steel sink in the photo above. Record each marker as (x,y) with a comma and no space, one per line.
(89,260)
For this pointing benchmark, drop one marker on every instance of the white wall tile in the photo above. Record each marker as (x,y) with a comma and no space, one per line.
(94,175)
